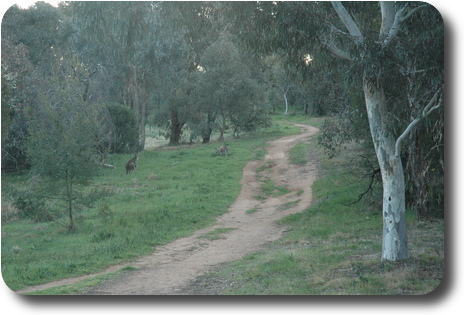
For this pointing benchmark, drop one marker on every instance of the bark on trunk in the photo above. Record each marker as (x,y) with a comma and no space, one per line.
(394,245)
(69,197)
(135,98)
(286,102)
(209,128)
(416,172)
(142,125)
(176,128)
(223,127)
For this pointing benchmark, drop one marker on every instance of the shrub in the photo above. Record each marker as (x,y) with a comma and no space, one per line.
(29,205)
(126,137)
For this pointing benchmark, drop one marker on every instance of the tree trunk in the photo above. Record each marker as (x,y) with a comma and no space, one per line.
(223,127)
(176,128)
(394,245)
(136,100)
(417,163)
(417,168)
(286,102)
(142,137)
(306,108)
(209,128)
(69,197)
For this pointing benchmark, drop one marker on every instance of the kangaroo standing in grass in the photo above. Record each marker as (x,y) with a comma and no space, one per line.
(132,164)
(223,149)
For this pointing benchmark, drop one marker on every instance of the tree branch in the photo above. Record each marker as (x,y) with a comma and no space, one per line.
(427,110)
(400,17)
(375,172)
(387,9)
(348,21)
(407,16)
(337,51)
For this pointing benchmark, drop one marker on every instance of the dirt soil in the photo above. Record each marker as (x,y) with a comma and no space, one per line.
(175,268)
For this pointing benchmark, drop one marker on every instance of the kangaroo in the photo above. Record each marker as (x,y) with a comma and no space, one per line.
(132,164)
(222,150)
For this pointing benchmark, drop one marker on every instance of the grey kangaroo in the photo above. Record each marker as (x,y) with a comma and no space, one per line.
(132,164)
(222,150)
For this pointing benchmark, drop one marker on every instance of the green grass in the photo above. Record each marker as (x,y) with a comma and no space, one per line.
(270,189)
(172,192)
(217,233)
(288,205)
(299,154)
(251,211)
(81,286)
(334,249)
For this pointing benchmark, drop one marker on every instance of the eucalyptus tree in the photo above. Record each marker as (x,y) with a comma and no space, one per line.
(171,62)
(377,40)
(150,49)
(41,28)
(374,54)
(227,83)
(29,39)
(286,85)
(113,36)
(184,31)
(278,78)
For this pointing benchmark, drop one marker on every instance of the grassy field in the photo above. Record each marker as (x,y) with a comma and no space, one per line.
(334,249)
(173,192)
(330,248)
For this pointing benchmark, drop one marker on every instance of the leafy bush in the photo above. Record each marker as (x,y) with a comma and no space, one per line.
(30,205)
(126,137)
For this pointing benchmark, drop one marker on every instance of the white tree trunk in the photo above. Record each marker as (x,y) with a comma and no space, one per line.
(286,102)
(394,244)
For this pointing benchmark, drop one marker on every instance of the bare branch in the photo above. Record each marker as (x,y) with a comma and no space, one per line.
(336,30)
(105,165)
(427,110)
(375,172)
(400,17)
(407,16)
(333,48)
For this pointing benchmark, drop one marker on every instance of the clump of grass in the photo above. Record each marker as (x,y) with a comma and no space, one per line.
(9,211)
(251,211)
(217,233)
(268,165)
(270,189)
(81,286)
(289,205)
(299,154)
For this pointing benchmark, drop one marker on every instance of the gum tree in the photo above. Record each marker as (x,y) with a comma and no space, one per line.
(374,39)
(387,145)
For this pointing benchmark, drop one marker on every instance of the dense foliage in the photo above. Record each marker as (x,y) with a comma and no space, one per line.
(125,133)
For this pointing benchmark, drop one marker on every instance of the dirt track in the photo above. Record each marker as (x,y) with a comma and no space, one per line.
(173,267)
